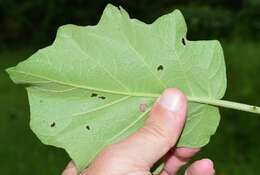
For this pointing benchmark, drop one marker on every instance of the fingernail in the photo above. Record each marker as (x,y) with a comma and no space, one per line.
(173,100)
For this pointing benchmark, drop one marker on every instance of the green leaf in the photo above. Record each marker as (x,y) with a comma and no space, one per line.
(96,84)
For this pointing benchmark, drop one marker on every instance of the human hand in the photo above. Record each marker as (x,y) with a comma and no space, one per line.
(138,153)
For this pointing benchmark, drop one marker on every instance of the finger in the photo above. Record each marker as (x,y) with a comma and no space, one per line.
(204,166)
(161,130)
(176,158)
(70,169)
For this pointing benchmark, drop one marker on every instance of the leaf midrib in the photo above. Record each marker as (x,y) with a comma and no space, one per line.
(85,87)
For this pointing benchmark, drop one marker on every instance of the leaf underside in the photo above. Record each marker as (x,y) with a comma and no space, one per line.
(96,84)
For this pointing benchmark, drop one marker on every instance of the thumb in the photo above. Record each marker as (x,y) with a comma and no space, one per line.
(161,130)
(141,150)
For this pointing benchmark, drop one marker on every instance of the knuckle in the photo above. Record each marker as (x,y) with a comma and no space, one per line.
(158,134)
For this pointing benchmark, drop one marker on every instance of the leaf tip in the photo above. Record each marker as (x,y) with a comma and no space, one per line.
(112,13)
(123,12)
(111,9)
(177,11)
(10,71)
(65,30)
(178,14)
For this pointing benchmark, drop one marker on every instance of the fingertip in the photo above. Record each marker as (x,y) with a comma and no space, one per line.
(175,91)
(169,114)
(204,166)
(173,100)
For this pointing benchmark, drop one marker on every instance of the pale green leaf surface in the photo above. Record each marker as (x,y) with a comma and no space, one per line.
(118,60)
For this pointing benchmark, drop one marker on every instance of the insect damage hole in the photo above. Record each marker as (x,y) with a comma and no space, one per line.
(93,95)
(183,40)
(102,97)
(160,68)
(87,127)
(52,124)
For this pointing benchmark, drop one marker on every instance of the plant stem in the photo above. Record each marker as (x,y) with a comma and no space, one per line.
(226,104)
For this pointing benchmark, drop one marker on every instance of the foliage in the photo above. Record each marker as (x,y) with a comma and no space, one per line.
(21,149)
(77,85)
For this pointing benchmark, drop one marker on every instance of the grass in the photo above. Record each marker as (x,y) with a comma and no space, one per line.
(235,148)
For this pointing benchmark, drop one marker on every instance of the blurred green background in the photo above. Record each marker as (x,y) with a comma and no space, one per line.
(26,26)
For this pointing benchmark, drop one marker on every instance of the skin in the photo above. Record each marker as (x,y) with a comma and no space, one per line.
(137,154)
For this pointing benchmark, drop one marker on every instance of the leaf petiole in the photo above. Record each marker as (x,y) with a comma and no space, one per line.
(226,104)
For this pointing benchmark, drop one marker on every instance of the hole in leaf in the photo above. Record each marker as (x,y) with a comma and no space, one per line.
(93,95)
(88,127)
(160,68)
(183,41)
(53,124)
(102,97)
